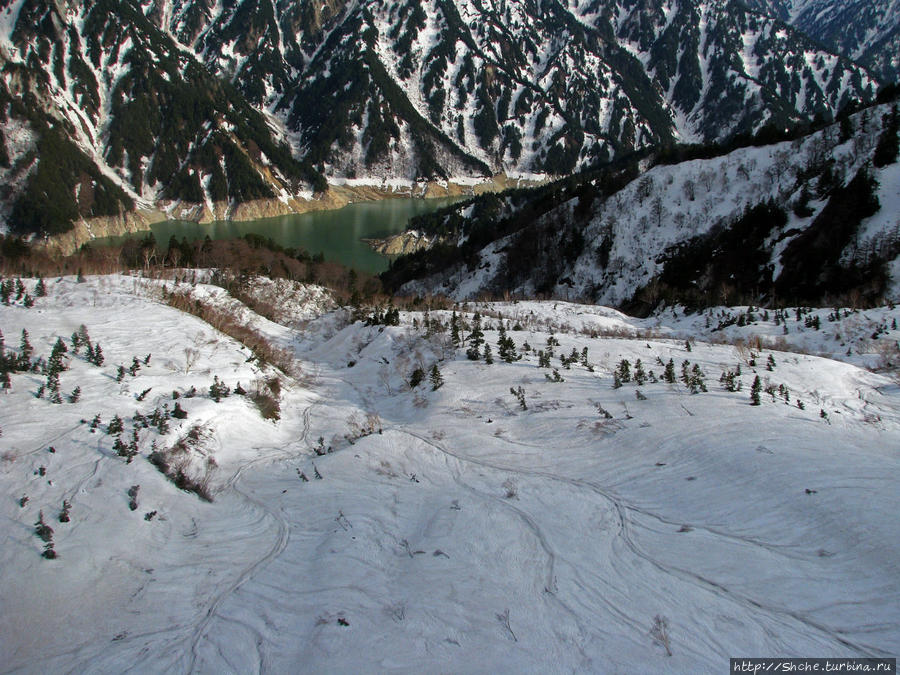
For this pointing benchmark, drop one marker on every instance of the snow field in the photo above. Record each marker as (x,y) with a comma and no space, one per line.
(464,533)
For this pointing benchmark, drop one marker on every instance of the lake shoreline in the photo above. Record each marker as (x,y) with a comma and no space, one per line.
(339,235)
(339,194)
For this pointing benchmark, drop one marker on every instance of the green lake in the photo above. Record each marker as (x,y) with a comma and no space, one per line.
(335,233)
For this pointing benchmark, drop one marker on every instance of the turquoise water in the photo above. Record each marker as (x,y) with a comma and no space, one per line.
(335,233)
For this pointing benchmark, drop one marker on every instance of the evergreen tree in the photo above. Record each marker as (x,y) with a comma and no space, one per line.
(42,529)
(64,514)
(770,363)
(40,290)
(639,375)
(519,393)
(25,352)
(696,382)
(488,357)
(135,366)
(415,379)
(49,553)
(115,426)
(888,145)
(75,395)
(624,370)
(120,373)
(669,375)
(475,339)
(437,380)
(218,390)
(454,329)
(97,356)
(755,389)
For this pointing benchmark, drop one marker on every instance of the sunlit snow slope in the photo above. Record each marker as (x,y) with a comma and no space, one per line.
(452,529)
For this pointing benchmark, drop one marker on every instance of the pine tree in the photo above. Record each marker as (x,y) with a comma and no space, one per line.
(135,366)
(97,356)
(25,351)
(639,375)
(454,329)
(488,357)
(40,290)
(75,395)
(120,373)
(475,339)
(42,530)
(696,382)
(519,393)
(770,363)
(218,390)
(755,389)
(64,514)
(624,371)
(416,377)
(115,426)
(437,380)
(669,375)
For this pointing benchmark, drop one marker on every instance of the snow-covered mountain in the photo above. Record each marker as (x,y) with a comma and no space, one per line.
(122,103)
(516,85)
(867,31)
(518,517)
(809,219)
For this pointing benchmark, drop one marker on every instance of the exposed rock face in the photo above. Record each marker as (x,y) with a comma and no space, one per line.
(401,244)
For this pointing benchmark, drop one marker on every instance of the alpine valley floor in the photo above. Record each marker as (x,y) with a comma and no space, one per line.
(510,520)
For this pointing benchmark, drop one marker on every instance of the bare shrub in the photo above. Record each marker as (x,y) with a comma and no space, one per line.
(176,462)
(226,321)
(266,395)
(361,427)
(660,633)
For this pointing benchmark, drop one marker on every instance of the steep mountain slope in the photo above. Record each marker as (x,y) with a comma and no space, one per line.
(424,87)
(867,31)
(108,111)
(810,220)
(223,102)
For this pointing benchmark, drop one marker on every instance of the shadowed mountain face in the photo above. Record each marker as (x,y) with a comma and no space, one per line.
(198,101)
(867,31)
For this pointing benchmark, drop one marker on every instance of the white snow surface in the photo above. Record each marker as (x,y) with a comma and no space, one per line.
(466,534)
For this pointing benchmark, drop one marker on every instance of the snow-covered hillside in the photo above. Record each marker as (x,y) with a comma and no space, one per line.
(627,241)
(515,518)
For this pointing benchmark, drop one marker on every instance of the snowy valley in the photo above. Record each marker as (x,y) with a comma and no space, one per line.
(384,502)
